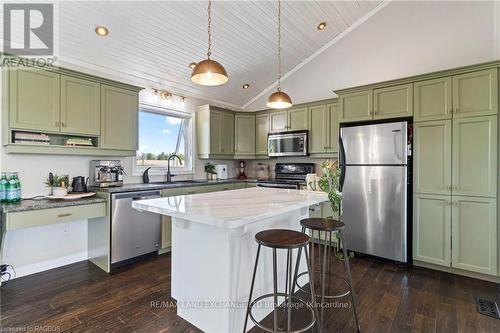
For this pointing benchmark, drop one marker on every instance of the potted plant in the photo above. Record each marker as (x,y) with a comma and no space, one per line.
(329,182)
(210,170)
(58,185)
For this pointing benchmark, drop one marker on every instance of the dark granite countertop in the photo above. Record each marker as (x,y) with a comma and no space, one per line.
(164,185)
(42,203)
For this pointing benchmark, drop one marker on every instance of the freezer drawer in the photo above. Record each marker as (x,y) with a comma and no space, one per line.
(375,144)
(375,210)
(133,233)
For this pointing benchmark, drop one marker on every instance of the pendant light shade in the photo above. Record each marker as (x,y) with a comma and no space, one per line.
(209,72)
(279,99)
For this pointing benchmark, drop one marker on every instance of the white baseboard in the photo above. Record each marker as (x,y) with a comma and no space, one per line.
(50,264)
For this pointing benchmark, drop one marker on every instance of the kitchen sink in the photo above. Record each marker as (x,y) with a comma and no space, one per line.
(193,181)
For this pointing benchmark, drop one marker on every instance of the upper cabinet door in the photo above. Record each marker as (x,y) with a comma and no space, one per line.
(333,110)
(474,234)
(319,119)
(244,135)
(393,102)
(278,121)
(356,106)
(34,99)
(475,156)
(227,135)
(297,119)
(80,106)
(432,229)
(475,94)
(215,132)
(432,99)
(119,118)
(262,130)
(432,157)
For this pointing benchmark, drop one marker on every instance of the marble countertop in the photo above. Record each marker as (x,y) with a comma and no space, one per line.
(34,204)
(232,209)
(164,185)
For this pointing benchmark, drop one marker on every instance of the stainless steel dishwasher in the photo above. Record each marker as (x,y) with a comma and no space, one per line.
(134,234)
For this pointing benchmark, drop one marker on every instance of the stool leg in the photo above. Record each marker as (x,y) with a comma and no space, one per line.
(348,271)
(323,280)
(275,284)
(251,288)
(311,286)
(289,282)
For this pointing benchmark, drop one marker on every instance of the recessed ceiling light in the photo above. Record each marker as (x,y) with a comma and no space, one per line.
(192,65)
(101,30)
(321,26)
(245,86)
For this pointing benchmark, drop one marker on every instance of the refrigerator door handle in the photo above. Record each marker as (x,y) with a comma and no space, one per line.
(342,164)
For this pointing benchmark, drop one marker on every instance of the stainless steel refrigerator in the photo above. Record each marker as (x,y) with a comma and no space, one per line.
(374,172)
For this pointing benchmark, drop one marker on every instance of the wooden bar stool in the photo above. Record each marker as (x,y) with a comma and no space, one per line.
(287,240)
(329,227)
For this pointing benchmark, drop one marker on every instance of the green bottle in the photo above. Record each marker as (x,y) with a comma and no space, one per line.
(3,187)
(18,187)
(11,189)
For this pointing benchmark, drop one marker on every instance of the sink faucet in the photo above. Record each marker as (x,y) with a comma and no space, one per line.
(169,175)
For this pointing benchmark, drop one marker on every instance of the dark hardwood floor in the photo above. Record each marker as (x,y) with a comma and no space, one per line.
(82,298)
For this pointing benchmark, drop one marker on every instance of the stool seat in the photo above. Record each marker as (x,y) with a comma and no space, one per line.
(322,224)
(282,238)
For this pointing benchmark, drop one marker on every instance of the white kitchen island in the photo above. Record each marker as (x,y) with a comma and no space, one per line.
(214,249)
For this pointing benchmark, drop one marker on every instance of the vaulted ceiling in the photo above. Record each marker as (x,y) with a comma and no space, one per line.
(152,42)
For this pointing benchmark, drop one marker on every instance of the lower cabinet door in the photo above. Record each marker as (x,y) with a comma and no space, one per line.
(474,234)
(166,231)
(432,228)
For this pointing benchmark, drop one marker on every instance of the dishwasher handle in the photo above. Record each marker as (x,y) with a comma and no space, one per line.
(144,198)
(137,195)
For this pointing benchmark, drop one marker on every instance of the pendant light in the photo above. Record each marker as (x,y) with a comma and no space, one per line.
(209,72)
(279,99)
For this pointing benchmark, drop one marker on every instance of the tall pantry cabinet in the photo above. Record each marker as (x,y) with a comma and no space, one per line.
(455,171)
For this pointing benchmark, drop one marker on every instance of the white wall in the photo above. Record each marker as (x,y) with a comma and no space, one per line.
(404,38)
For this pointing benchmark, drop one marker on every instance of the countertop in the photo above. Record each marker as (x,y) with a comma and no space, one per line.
(234,208)
(164,185)
(34,204)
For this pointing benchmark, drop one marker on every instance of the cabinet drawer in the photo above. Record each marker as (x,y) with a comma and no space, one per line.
(34,218)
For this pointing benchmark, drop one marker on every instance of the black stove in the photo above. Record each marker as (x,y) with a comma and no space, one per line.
(288,175)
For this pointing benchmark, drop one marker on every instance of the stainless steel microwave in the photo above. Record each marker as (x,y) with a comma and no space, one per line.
(287,144)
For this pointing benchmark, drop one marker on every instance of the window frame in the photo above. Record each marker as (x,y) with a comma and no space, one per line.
(189,160)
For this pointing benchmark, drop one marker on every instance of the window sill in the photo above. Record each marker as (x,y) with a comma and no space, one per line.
(161,172)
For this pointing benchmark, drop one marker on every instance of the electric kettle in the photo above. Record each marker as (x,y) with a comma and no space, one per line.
(79,184)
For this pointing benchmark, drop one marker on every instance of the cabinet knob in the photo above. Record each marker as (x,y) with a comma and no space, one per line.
(57,124)
(63,124)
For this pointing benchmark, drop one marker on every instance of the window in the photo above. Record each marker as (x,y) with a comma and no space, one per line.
(163,132)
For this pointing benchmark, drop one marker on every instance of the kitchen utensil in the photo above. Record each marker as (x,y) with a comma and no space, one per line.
(79,184)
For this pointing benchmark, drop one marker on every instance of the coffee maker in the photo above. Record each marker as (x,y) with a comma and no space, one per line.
(106,173)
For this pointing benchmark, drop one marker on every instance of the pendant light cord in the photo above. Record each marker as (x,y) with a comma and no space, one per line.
(279,45)
(209,10)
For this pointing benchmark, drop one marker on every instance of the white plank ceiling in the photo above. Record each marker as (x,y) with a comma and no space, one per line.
(152,42)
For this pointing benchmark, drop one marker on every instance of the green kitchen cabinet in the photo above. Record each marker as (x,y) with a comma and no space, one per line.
(278,121)
(432,229)
(432,157)
(393,102)
(433,99)
(261,133)
(475,94)
(227,134)
(297,119)
(474,166)
(474,234)
(288,120)
(244,136)
(80,106)
(215,132)
(323,129)
(119,118)
(356,106)
(319,137)
(34,99)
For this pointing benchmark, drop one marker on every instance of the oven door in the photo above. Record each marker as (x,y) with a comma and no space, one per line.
(278,185)
(287,144)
